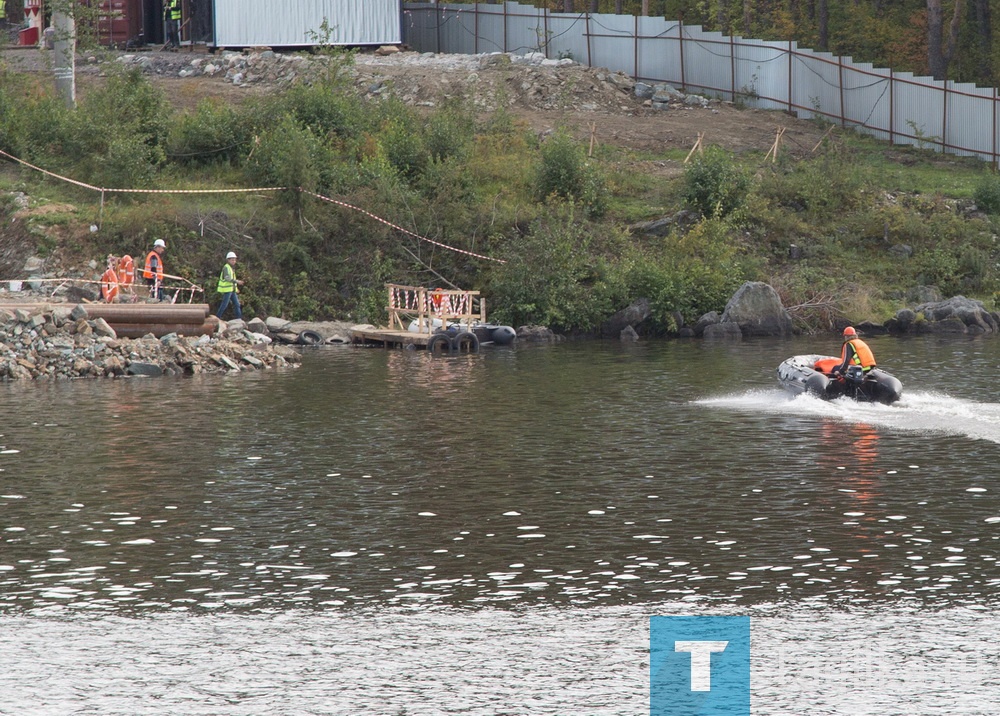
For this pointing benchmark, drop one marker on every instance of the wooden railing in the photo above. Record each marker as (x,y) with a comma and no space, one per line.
(433,308)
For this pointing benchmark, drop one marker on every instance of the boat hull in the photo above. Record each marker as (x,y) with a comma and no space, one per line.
(810,374)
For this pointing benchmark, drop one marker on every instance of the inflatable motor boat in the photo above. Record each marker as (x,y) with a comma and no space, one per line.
(813,374)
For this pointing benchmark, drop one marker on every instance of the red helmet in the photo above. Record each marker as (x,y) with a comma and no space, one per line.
(850,332)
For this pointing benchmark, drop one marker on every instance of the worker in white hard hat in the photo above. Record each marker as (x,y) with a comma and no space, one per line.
(152,272)
(229,287)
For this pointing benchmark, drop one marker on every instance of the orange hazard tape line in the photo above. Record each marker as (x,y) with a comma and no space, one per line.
(104,190)
(399,228)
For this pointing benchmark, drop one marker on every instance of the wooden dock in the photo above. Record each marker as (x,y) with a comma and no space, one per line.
(431,310)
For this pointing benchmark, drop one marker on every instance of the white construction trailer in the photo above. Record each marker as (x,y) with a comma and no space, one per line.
(302,23)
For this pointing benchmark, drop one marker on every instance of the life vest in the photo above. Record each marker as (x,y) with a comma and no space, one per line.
(227,280)
(862,354)
(437,299)
(126,270)
(154,266)
(109,285)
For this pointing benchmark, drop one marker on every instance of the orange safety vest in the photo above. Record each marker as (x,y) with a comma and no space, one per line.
(126,270)
(109,285)
(862,354)
(148,271)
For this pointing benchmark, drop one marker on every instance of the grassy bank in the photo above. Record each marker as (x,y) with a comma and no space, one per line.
(849,230)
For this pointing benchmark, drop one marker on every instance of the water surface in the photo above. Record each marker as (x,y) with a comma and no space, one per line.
(382,532)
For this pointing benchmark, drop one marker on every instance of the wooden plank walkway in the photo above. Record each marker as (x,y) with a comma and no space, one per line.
(389,338)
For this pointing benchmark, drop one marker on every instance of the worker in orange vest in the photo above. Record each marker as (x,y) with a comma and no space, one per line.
(854,352)
(153,270)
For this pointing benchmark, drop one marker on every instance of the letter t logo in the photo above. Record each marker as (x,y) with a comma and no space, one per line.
(701,661)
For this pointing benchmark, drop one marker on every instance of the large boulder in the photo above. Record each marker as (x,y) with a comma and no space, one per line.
(630,317)
(971,313)
(756,308)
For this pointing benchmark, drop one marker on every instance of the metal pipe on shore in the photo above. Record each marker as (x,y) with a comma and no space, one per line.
(137,330)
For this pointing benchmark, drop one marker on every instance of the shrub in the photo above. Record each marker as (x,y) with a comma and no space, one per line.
(987,194)
(289,155)
(553,276)
(564,172)
(715,185)
(214,132)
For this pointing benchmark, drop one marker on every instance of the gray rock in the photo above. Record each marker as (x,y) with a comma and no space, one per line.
(723,332)
(256,325)
(643,90)
(102,328)
(536,334)
(629,317)
(628,335)
(756,308)
(709,319)
(144,369)
(275,324)
(79,313)
(901,251)
(969,312)
(923,294)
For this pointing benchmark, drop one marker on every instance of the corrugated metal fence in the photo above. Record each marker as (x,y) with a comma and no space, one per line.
(898,107)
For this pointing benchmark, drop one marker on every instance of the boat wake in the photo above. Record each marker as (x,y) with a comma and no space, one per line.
(915,412)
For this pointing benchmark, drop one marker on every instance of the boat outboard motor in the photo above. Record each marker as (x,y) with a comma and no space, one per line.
(855,374)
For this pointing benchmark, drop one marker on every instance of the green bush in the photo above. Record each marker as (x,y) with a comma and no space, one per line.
(690,273)
(326,112)
(554,276)
(715,185)
(564,172)
(126,163)
(214,132)
(291,156)
(404,148)
(987,194)
(449,132)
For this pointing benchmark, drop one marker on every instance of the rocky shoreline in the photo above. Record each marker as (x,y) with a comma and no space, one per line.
(63,342)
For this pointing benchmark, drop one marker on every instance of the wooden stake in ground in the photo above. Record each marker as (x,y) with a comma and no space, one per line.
(696,148)
(825,135)
(593,138)
(773,151)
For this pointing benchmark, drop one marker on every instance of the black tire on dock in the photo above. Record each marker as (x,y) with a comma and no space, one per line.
(466,342)
(439,344)
(309,338)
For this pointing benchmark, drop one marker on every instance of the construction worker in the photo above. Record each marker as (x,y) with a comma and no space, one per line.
(229,287)
(172,16)
(153,270)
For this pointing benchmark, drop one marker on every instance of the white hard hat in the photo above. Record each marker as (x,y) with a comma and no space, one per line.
(160,242)
(231,255)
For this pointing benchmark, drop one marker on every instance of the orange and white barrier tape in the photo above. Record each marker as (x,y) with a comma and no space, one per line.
(104,190)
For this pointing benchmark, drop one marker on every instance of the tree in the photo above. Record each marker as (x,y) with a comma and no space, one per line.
(939,55)
(823,25)
(984,34)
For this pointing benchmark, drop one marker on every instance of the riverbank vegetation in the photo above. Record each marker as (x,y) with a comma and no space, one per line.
(546,228)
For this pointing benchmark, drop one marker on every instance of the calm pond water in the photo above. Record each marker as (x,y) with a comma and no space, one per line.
(386,533)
